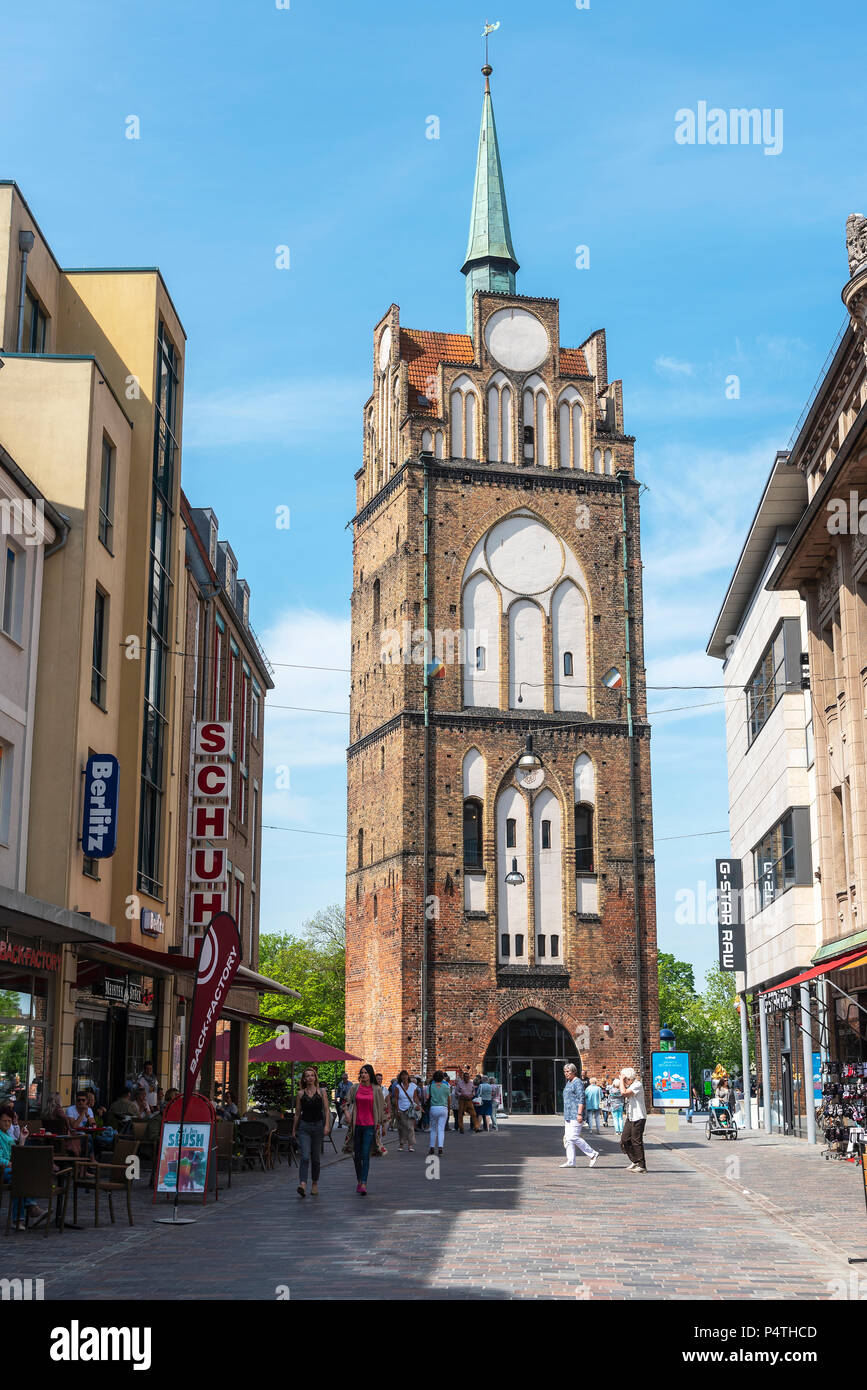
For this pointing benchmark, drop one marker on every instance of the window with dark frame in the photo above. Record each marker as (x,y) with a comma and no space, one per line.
(546,834)
(98,678)
(774,676)
(472,834)
(775,859)
(511,833)
(35,333)
(584,839)
(106,494)
(568,668)
(155,721)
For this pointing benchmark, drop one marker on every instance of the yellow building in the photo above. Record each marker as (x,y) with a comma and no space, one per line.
(91,404)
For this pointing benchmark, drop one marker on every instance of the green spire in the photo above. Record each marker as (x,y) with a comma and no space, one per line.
(490,263)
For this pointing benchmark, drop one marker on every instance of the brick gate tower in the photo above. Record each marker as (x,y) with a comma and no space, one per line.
(500,896)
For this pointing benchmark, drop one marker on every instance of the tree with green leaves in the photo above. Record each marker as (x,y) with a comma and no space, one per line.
(707,1024)
(314,964)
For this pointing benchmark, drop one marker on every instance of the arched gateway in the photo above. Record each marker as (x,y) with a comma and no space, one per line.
(526,1055)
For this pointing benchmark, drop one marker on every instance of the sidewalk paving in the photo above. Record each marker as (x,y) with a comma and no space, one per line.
(502,1220)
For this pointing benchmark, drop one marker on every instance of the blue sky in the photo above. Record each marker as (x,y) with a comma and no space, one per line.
(305,127)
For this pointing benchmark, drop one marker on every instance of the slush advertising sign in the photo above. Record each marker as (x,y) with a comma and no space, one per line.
(99,830)
(730,914)
(669,1072)
(209,829)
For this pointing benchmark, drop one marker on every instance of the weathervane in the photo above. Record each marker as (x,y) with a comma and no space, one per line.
(489,29)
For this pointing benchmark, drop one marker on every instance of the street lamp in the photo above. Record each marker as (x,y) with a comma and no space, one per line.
(514,876)
(529,760)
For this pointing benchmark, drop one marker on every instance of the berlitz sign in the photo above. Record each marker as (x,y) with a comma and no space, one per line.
(212,797)
(99,831)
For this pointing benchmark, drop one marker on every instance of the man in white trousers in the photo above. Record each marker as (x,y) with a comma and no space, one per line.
(573,1118)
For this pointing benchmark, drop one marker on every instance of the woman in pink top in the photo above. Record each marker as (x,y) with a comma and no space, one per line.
(365,1109)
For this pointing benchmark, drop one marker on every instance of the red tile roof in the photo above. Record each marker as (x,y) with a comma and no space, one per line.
(423,352)
(573,362)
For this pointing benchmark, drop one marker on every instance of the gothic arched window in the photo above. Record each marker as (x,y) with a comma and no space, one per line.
(512,898)
(472,834)
(548,875)
(500,420)
(535,416)
(464,424)
(571,429)
(584,860)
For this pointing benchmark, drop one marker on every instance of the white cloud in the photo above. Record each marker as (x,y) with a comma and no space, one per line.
(674,367)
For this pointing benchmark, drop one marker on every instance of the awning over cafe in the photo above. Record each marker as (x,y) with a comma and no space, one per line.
(28,916)
(836,963)
(171,963)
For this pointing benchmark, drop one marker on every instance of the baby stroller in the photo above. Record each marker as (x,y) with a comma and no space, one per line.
(720,1122)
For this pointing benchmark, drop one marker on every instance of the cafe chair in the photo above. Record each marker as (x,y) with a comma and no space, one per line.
(226,1146)
(33,1176)
(108,1178)
(282,1141)
(253,1135)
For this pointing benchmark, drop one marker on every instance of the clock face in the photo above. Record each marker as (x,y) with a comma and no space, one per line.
(530,777)
(385,350)
(517,339)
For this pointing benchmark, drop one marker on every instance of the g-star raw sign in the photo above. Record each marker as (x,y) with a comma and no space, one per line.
(212,797)
(730,914)
(99,831)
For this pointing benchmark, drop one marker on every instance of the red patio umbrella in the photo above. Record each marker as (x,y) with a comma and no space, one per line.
(295,1047)
(298,1047)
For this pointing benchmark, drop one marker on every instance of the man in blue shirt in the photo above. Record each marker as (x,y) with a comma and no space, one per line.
(573,1118)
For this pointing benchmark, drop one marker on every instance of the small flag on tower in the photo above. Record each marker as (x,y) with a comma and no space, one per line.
(489,28)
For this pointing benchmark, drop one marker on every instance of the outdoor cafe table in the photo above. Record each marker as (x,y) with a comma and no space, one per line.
(60,1143)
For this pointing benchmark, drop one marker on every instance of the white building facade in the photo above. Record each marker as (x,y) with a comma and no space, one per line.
(30,530)
(761,636)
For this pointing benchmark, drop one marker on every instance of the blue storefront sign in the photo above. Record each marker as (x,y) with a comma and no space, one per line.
(99,831)
(669,1073)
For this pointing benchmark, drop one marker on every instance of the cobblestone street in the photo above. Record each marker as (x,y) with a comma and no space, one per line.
(760,1219)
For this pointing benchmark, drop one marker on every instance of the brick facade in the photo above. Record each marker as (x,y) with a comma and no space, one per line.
(470,991)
